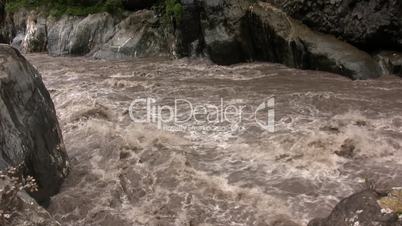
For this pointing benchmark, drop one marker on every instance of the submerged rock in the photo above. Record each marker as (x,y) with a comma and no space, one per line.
(278,38)
(359,209)
(29,130)
(347,149)
(390,62)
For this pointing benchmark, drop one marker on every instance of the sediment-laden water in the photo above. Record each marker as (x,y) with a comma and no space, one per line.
(333,137)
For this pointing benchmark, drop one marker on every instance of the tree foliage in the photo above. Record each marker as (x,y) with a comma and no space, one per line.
(67,7)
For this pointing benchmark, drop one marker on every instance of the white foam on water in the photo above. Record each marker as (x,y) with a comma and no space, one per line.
(127,173)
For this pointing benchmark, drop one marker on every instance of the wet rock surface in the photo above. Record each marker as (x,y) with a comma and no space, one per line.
(390,62)
(278,38)
(359,209)
(227,32)
(364,23)
(29,131)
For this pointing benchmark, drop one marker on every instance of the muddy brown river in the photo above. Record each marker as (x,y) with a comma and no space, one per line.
(317,138)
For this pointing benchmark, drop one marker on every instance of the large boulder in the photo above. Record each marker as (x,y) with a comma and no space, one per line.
(79,36)
(275,37)
(359,209)
(365,23)
(29,130)
(138,35)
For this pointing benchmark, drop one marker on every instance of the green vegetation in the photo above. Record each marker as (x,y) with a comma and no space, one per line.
(12,182)
(169,10)
(174,9)
(58,8)
(393,201)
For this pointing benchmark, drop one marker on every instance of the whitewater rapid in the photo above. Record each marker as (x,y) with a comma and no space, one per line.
(130,173)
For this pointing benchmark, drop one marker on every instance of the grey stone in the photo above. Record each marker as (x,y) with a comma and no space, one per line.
(278,38)
(29,130)
(137,35)
(79,36)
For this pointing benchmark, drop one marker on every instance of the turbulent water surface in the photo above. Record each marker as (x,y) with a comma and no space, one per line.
(333,137)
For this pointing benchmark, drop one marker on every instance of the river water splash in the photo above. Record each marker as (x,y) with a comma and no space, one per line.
(332,137)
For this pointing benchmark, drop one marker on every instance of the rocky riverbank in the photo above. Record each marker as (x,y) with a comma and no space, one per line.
(227,32)
(334,158)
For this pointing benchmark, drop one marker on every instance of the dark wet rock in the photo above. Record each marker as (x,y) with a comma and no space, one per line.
(13,28)
(359,209)
(275,37)
(390,62)
(189,36)
(29,131)
(366,23)
(3,35)
(221,28)
(227,31)
(347,149)
(137,4)
(139,35)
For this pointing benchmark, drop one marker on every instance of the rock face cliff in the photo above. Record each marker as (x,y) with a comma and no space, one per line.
(278,38)
(225,31)
(369,24)
(29,130)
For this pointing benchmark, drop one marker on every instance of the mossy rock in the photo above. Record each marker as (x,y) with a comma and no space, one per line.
(393,201)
